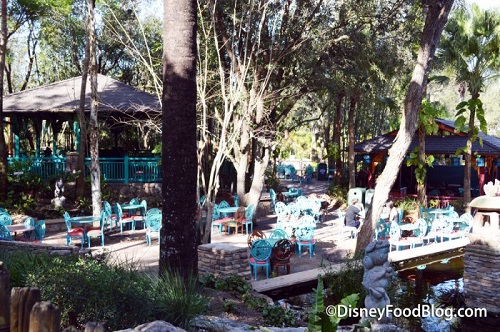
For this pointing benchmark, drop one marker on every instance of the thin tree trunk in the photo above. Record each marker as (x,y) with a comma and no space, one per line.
(179,160)
(336,135)
(4,183)
(421,189)
(95,171)
(468,162)
(351,131)
(82,120)
(436,18)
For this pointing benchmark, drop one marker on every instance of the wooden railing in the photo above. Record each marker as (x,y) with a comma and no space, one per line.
(118,169)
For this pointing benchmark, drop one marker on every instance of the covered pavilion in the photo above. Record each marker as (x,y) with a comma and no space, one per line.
(448,168)
(57,103)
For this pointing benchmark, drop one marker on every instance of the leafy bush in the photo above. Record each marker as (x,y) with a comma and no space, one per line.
(88,288)
(347,281)
(278,316)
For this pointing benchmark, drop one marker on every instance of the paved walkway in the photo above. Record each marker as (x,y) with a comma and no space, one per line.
(329,249)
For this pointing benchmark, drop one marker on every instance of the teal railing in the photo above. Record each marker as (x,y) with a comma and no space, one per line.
(121,169)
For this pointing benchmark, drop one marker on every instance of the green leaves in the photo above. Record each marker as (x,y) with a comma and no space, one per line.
(420,168)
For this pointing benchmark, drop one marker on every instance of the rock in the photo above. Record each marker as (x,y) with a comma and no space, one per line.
(156,326)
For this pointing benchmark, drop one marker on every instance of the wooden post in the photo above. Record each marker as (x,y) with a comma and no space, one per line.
(45,317)
(23,300)
(4,299)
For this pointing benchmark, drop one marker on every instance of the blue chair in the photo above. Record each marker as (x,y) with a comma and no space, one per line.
(153,226)
(305,238)
(5,219)
(272,195)
(120,220)
(249,212)
(278,234)
(106,207)
(39,231)
(217,221)
(260,254)
(98,232)
(5,233)
(73,233)
(224,204)
(141,218)
(395,238)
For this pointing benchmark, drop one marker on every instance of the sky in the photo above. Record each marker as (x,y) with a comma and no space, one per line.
(486,4)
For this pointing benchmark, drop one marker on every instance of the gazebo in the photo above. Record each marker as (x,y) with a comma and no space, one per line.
(485,160)
(58,103)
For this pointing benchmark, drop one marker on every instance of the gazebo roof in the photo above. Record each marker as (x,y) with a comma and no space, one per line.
(64,97)
(442,144)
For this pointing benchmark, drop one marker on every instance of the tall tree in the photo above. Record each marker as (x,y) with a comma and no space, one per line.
(179,162)
(436,18)
(95,170)
(471,48)
(3,147)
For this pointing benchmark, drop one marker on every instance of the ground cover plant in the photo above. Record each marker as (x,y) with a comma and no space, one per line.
(94,289)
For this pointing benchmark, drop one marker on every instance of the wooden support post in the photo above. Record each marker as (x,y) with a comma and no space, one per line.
(4,299)
(23,300)
(45,317)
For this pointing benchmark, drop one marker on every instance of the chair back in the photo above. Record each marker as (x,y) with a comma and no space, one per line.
(278,234)
(421,231)
(5,233)
(118,212)
(144,207)
(153,211)
(224,204)
(282,250)
(107,208)
(67,220)
(39,230)
(254,236)
(5,219)
(394,232)
(294,209)
(304,232)
(249,211)
(29,222)
(153,222)
(134,201)
(261,250)
(381,230)
(215,212)
(240,214)
(308,220)
(236,200)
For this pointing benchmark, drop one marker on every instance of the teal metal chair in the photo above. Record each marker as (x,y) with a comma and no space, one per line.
(272,195)
(224,204)
(5,219)
(121,220)
(249,212)
(5,233)
(305,238)
(98,232)
(153,226)
(141,218)
(260,256)
(106,207)
(278,234)
(39,231)
(73,233)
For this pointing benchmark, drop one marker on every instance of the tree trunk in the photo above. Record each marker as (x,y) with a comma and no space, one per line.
(351,131)
(179,163)
(337,128)
(82,121)
(468,162)
(421,189)
(95,170)
(437,15)
(4,183)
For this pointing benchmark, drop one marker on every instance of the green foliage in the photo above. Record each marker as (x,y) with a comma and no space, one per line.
(407,204)
(234,284)
(323,320)
(90,288)
(229,306)
(338,192)
(347,281)
(472,106)
(420,169)
(278,316)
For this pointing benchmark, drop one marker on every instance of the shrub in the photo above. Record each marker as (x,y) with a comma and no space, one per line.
(346,282)
(117,294)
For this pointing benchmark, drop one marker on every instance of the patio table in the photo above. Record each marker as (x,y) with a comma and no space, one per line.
(131,208)
(19,228)
(84,220)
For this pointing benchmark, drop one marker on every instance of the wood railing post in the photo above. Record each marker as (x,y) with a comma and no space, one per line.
(23,300)
(4,299)
(45,317)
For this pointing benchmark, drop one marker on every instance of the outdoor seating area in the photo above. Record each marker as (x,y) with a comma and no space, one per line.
(28,231)
(433,226)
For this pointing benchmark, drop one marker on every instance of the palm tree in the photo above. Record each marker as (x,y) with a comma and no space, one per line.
(470,47)
(179,162)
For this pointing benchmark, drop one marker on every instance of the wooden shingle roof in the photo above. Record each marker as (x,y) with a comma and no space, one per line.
(442,144)
(64,97)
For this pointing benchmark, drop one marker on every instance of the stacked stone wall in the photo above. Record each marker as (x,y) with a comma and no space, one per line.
(481,276)
(223,260)
(53,249)
(124,192)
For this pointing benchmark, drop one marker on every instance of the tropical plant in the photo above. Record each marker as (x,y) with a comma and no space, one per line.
(470,48)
